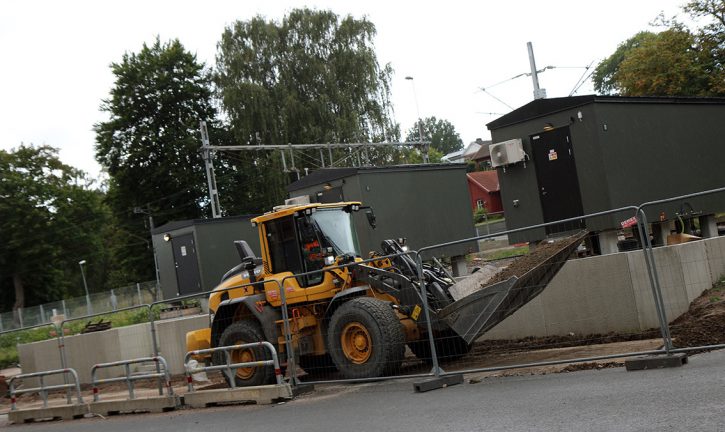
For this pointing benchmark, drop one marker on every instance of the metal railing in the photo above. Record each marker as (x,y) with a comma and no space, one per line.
(43,389)
(230,368)
(129,378)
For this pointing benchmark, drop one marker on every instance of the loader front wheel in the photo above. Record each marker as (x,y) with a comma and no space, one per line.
(365,339)
(238,333)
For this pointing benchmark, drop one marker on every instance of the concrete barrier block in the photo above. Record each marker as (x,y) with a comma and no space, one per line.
(141,405)
(260,395)
(65,412)
(591,295)
(171,335)
(672,283)
(695,268)
(715,251)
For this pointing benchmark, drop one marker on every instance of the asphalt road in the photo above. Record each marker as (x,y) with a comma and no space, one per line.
(691,397)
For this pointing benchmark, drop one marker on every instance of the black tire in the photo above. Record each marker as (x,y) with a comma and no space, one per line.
(317,363)
(365,339)
(245,332)
(449,346)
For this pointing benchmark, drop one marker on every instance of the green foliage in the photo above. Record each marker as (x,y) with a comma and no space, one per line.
(50,218)
(605,76)
(479,215)
(311,78)
(674,62)
(150,146)
(441,133)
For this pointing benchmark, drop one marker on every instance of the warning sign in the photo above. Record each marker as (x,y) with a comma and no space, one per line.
(629,222)
(552,155)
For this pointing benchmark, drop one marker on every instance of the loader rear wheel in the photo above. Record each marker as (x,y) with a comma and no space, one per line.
(365,339)
(449,346)
(242,332)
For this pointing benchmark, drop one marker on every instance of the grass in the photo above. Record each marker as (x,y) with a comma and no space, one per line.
(503,253)
(10,341)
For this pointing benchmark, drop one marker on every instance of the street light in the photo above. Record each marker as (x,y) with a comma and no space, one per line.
(420,121)
(89,309)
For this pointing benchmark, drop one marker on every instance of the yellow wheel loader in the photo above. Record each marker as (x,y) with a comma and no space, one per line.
(357,316)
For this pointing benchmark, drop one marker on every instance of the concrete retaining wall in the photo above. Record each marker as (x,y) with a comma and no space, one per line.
(609,293)
(612,293)
(124,343)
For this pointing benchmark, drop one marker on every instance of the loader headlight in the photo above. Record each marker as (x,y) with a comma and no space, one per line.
(329,260)
(404,248)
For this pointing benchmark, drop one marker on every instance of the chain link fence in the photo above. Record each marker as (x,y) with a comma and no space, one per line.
(118,298)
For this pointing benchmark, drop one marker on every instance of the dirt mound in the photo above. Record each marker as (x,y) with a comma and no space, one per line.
(522,264)
(704,321)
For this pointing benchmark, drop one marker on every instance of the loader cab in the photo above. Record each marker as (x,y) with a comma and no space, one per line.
(309,239)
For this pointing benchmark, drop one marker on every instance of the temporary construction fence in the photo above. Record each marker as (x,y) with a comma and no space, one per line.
(131,295)
(636,293)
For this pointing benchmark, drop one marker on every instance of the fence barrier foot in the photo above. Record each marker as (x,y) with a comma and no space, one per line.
(302,388)
(656,362)
(438,382)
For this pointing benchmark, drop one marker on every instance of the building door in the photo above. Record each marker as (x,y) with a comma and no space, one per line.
(557,178)
(187,266)
(331,195)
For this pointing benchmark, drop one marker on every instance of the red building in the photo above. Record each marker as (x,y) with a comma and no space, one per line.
(484,191)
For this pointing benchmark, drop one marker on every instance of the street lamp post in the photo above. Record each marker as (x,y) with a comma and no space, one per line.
(139,210)
(89,309)
(420,121)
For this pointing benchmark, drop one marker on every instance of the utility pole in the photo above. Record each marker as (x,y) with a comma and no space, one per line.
(206,153)
(539,93)
(139,210)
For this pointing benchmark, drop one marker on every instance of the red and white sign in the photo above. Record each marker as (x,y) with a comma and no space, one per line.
(629,222)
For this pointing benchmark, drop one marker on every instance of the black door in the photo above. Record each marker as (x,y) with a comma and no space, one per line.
(331,195)
(557,179)
(187,266)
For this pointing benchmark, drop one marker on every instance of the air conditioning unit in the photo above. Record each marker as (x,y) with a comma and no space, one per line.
(507,152)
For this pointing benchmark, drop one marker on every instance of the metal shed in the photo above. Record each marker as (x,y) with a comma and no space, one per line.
(193,255)
(587,154)
(427,204)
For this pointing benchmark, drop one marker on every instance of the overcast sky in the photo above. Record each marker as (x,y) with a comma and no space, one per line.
(56,54)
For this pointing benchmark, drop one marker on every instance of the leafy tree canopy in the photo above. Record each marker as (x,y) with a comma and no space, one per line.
(311,78)
(673,62)
(150,144)
(50,219)
(441,133)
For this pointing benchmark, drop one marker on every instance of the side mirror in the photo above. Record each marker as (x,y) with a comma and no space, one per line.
(371,217)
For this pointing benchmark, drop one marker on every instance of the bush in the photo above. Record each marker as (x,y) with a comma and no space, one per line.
(479,215)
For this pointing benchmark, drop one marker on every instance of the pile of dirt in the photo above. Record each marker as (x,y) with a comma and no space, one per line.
(704,321)
(519,266)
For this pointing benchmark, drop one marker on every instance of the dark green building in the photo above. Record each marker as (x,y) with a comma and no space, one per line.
(427,204)
(587,154)
(193,255)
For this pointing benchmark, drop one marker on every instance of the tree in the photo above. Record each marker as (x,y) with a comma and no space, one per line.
(604,77)
(50,218)
(673,62)
(441,133)
(311,78)
(150,144)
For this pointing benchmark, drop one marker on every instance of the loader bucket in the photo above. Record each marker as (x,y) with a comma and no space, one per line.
(475,314)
